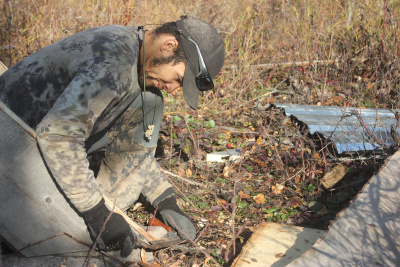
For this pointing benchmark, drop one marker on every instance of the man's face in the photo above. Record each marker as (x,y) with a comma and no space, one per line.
(164,76)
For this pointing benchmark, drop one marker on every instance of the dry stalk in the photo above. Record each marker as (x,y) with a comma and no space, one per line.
(191,241)
(327,68)
(366,128)
(181,192)
(78,241)
(282,165)
(179,177)
(98,236)
(233,214)
(197,146)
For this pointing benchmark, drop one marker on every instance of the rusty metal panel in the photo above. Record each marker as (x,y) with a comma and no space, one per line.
(343,128)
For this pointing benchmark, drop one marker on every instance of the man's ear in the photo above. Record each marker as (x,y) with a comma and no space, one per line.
(169,45)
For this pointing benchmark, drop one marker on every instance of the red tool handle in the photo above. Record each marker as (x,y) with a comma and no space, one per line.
(156,222)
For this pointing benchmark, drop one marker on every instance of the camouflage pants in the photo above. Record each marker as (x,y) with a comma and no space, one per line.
(129,167)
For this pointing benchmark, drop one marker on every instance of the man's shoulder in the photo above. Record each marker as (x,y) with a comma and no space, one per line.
(111,28)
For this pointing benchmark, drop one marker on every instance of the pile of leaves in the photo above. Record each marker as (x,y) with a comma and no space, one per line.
(276,178)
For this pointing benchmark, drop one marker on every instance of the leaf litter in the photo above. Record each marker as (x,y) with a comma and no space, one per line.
(277,178)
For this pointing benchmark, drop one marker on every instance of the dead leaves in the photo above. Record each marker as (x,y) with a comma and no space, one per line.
(259,199)
(243,195)
(277,189)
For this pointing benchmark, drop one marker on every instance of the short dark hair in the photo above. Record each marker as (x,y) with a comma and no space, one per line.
(171,29)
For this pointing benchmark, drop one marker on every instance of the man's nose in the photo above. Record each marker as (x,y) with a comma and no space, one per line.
(171,87)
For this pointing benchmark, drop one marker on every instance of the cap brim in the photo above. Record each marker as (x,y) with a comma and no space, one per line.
(190,91)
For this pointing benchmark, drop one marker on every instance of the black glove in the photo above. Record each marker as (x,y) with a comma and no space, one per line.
(117,234)
(175,218)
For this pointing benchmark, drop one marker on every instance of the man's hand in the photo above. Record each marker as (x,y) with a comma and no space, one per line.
(117,234)
(174,217)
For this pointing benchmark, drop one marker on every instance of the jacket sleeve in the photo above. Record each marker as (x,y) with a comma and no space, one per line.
(62,133)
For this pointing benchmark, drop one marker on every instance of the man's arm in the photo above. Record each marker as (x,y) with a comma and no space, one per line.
(62,133)
(61,136)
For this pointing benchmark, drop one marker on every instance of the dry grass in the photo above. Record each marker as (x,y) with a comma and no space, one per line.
(360,36)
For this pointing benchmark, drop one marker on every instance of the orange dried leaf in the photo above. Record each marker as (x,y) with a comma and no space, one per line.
(277,189)
(207,260)
(248,175)
(222,201)
(243,195)
(259,139)
(181,171)
(259,199)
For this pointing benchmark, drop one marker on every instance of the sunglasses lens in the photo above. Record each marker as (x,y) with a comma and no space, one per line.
(204,83)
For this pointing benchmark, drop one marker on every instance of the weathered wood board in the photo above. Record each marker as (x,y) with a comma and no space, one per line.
(3,68)
(274,244)
(367,233)
(32,208)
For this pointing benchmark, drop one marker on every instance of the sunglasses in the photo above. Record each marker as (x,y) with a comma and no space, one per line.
(203,78)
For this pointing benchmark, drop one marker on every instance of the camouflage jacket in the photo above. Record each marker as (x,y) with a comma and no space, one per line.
(71,90)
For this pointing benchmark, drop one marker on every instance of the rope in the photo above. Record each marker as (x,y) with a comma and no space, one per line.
(149,128)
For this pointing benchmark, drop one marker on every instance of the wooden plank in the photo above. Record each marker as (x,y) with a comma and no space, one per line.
(274,244)
(367,233)
(3,68)
(32,207)
(17,119)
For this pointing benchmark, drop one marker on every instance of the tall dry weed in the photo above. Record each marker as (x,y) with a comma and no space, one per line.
(361,37)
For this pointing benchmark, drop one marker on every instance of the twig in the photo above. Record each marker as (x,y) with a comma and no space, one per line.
(283,64)
(194,183)
(103,227)
(302,169)
(181,192)
(276,151)
(186,249)
(201,232)
(222,205)
(240,231)
(197,146)
(361,121)
(170,130)
(179,177)
(233,240)
(191,241)
(326,70)
(274,91)
(78,241)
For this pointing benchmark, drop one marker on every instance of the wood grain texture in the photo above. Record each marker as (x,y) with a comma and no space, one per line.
(32,207)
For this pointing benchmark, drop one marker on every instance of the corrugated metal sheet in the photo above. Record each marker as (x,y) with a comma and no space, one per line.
(343,128)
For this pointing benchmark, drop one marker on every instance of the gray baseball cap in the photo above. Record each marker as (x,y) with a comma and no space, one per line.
(204,50)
